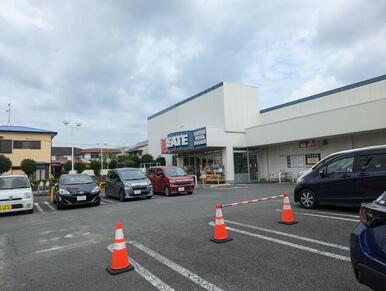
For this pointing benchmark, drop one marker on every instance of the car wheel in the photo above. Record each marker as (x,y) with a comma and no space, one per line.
(190,192)
(308,199)
(149,197)
(167,191)
(121,196)
(98,202)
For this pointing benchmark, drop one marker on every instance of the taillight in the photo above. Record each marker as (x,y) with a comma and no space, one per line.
(362,215)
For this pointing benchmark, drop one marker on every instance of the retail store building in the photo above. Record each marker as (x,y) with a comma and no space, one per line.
(224,127)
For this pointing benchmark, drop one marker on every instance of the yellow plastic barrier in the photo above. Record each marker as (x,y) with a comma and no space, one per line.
(102,185)
(52,193)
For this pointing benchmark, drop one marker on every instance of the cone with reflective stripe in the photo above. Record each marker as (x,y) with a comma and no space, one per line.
(220,234)
(287,216)
(119,260)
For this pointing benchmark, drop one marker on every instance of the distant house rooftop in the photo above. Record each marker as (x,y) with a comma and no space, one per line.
(98,150)
(25,129)
(138,146)
(65,151)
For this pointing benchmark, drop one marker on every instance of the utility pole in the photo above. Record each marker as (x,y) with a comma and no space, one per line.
(9,113)
(72,125)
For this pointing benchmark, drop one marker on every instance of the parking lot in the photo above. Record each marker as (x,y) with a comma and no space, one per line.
(168,243)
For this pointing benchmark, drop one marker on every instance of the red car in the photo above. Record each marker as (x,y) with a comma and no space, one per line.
(170,180)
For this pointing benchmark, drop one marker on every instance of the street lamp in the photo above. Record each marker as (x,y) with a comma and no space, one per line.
(101,145)
(72,125)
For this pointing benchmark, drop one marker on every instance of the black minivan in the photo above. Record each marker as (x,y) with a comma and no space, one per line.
(344,178)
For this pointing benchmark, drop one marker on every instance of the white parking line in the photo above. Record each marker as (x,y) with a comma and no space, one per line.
(290,235)
(107,200)
(323,216)
(178,268)
(146,274)
(70,246)
(38,207)
(49,206)
(332,213)
(290,244)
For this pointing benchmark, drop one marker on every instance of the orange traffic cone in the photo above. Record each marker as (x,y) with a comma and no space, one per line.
(287,216)
(120,260)
(220,231)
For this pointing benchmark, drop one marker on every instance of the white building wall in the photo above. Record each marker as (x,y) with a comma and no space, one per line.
(241,107)
(339,121)
(206,110)
(277,154)
(364,94)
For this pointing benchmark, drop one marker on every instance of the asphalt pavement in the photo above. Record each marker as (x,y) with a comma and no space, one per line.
(168,242)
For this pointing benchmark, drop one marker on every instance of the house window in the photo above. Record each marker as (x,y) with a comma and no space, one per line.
(5,146)
(26,144)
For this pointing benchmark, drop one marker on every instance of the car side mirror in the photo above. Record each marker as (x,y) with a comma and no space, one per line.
(322,173)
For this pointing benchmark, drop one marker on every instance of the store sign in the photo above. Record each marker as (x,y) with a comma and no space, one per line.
(312,159)
(199,136)
(295,161)
(307,144)
(164,149)
(184,140)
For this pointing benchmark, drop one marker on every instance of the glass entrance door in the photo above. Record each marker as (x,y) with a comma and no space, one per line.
(253,171)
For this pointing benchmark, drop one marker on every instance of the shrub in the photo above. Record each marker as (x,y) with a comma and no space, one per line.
(147,158)
(96,166)
(67,166)
(28,166)
(5,164)
(79,167)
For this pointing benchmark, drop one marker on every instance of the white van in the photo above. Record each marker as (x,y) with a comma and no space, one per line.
(15,194)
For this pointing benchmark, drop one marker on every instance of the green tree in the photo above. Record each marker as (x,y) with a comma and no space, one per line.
(5,164)
(161,160)
(136,160)
(79,167)
(28,166)
(96,166)
(113,164)
(67,166)
(147,158)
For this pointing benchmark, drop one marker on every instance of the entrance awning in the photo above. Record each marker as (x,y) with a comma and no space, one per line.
(196,150)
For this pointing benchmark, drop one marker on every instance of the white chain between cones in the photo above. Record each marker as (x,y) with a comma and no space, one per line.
(256,200)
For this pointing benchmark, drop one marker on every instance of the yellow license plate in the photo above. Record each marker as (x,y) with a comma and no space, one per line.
(5,207)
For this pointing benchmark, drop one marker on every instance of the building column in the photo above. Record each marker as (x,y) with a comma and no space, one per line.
(227,158)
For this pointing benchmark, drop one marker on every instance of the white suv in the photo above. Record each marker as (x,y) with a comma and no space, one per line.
(15,194)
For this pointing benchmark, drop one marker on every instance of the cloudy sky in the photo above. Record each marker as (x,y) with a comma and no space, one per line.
(110,64)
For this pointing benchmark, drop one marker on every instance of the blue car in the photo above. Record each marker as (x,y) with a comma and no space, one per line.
(368,245)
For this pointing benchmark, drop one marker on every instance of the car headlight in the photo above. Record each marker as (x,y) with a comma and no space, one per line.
(27,195)
(299,180)
(96,189)
(63,192)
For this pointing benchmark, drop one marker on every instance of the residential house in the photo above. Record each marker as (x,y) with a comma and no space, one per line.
(21,142)
(139,149)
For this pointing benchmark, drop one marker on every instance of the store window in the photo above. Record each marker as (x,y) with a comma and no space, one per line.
(5,146)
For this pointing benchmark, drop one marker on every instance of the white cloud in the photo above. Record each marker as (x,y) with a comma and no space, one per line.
(112,64)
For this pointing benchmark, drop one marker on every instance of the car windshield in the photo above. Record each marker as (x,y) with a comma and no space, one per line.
(13,183)
(174,172)
(75,179)
(132,175)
